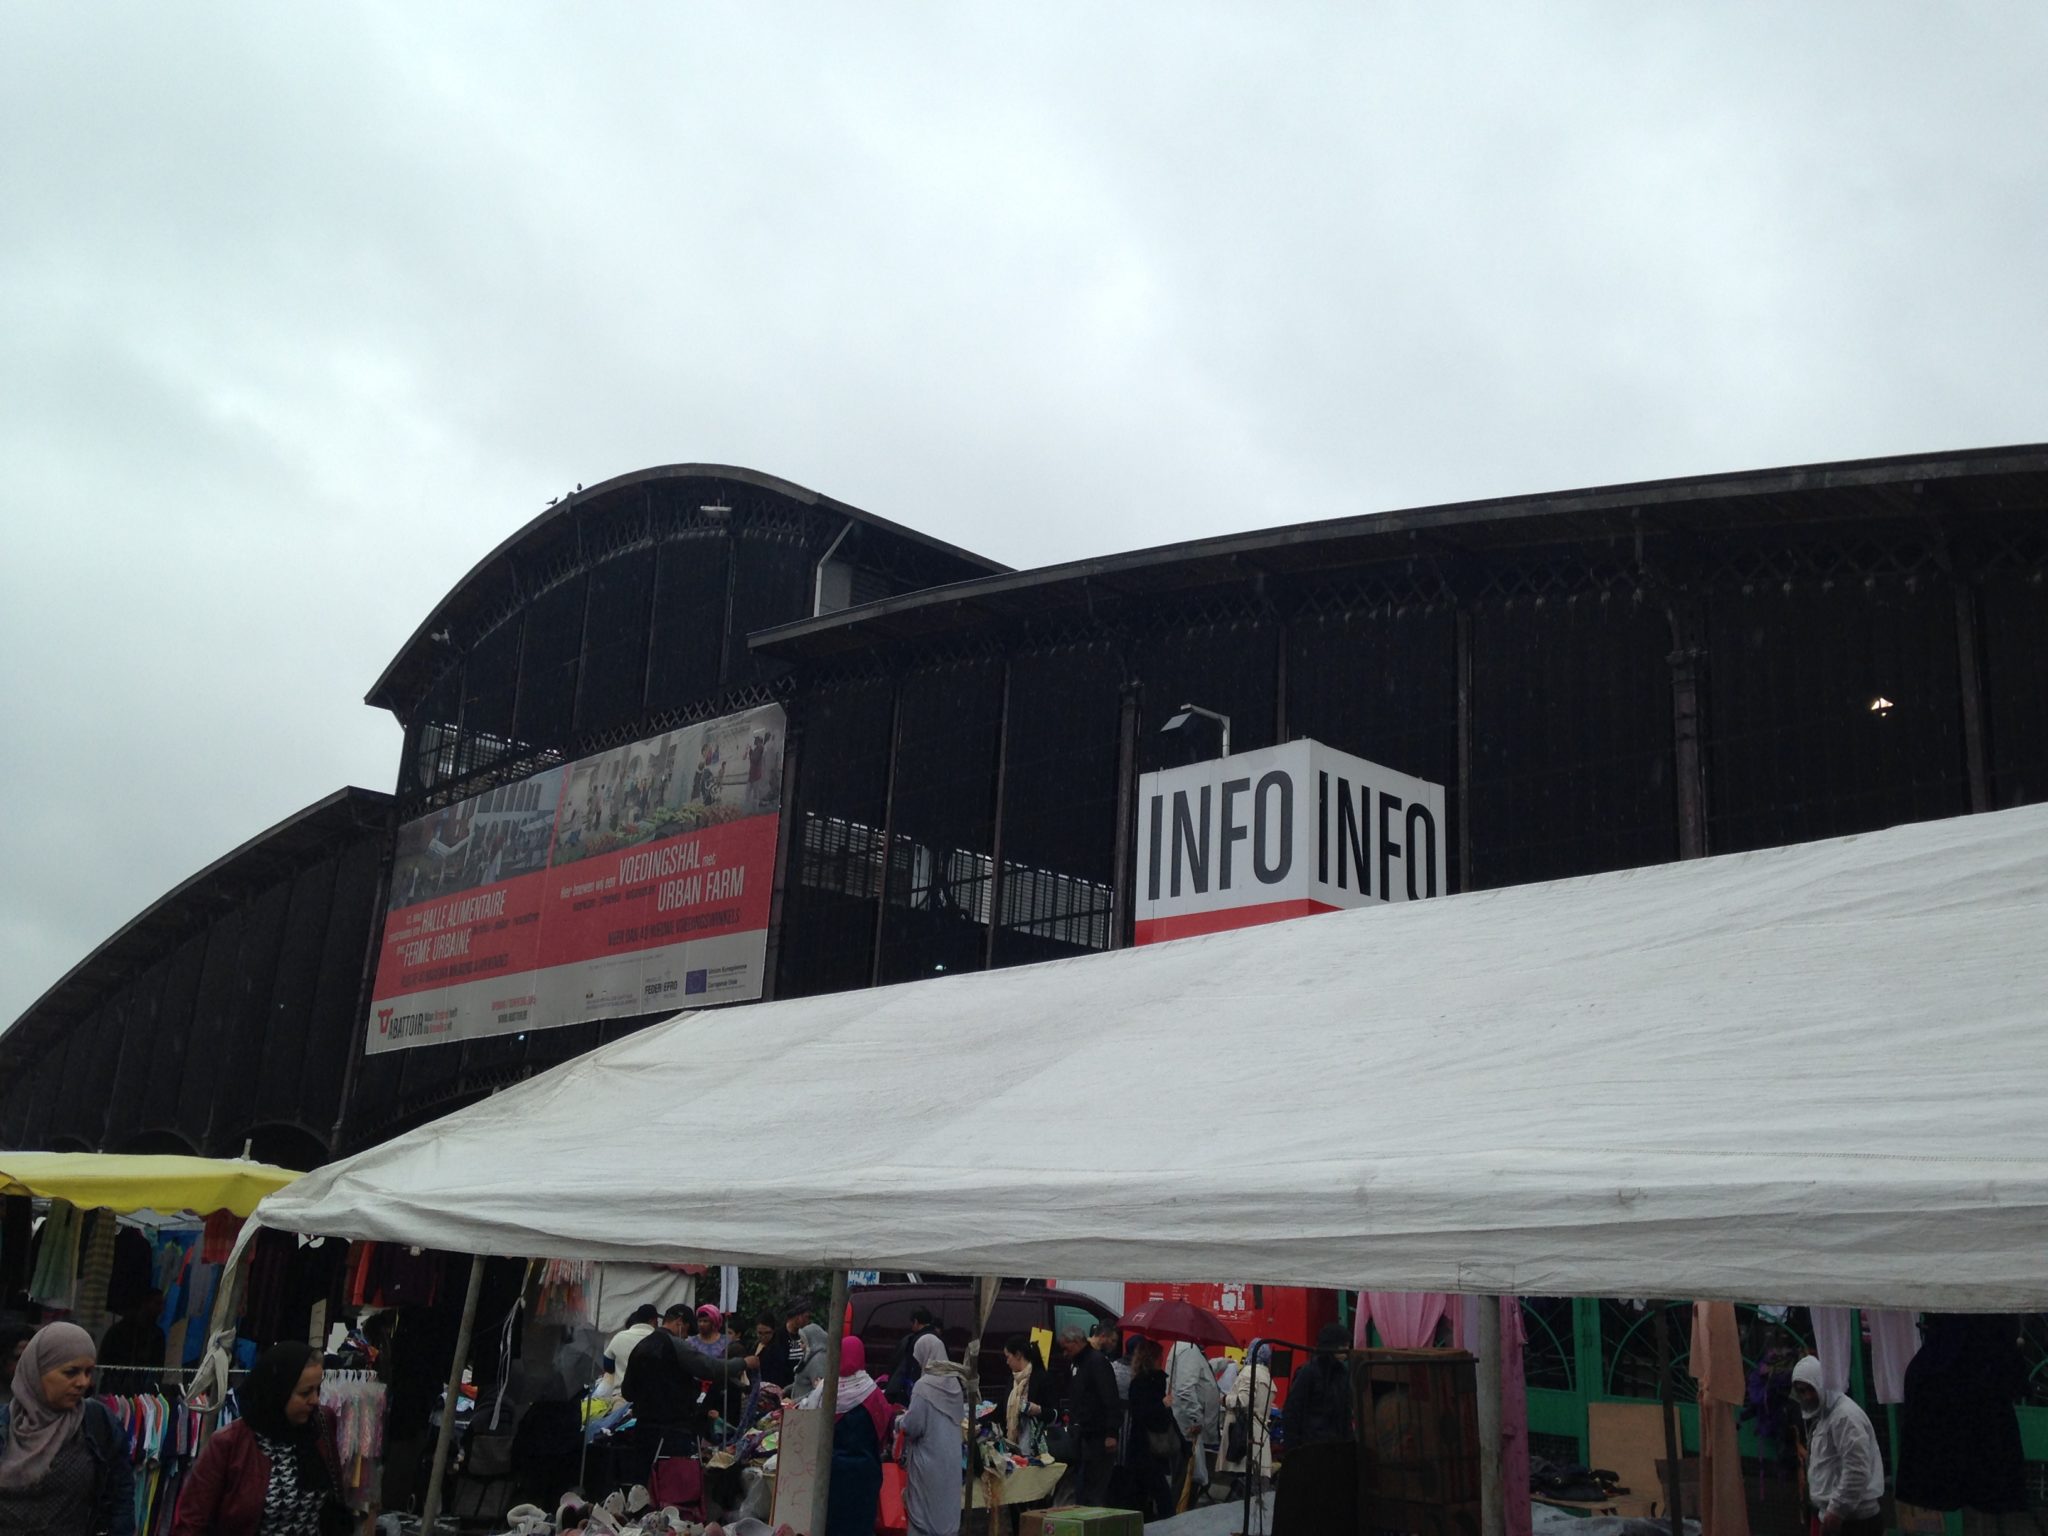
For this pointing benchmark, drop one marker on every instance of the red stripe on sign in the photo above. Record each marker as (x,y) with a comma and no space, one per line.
(1158,930)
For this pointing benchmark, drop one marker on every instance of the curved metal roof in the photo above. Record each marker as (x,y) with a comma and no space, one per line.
(415,652)
(272,855)
(2014,477)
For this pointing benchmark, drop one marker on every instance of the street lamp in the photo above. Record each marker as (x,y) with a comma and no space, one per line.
(1188,712)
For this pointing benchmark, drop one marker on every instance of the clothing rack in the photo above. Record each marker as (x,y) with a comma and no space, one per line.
(164,1438)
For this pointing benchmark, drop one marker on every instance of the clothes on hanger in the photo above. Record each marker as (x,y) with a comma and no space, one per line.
(1894,1341)
(54,1279)
(1833,1344)
(357,1399)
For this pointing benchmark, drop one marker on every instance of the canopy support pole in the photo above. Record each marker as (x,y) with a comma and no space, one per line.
(986,1289)
(828,1402)
(430,1513)
(1492,1501)
(583,1422)
(1665,1394)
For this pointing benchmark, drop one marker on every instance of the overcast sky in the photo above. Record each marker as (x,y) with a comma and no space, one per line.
(303,308)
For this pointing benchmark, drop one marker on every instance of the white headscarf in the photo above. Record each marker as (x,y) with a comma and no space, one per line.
(938,1377)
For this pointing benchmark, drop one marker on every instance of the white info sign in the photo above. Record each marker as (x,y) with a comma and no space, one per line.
(1279,833)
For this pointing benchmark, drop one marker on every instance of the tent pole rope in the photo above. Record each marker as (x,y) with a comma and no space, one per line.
(821,1489)
(430,1514)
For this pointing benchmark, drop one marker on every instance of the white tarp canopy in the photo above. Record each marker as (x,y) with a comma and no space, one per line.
(1817,1073)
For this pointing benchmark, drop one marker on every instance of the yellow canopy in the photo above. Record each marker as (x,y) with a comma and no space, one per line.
(92,1180)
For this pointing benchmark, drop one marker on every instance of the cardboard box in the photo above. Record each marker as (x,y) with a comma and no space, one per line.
(1082,1520)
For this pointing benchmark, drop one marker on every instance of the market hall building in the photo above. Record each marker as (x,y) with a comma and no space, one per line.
(1597,680)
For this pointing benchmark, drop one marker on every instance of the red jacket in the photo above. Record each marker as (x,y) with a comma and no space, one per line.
(223,1494)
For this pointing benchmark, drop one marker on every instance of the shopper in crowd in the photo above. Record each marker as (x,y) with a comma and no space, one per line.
(933,1432)
(667,1384)
(1028,1408)
(645,1319)
(712,1342)
(1197,1410)
(274,1471)
(787,1350)
(1094,1414)
(1317,1486)
(1247,1417)
(805,1342)
(1319,1397)
(136,1339)
(1108,1341)
(903,1373)
(710,1338)
(862,1417)
(13,1340)
(1154,1438)
(64,1467)
(1844,1473)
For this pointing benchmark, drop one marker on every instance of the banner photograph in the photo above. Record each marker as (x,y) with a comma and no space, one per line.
(630,882)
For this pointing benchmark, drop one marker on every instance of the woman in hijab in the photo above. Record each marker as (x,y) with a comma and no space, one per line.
(709,1339)
(273,1472)
(63,1460)
(862,1416)
(934,1430)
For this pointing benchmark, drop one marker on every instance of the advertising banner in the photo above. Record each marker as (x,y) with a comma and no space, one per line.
(1282,832)
(633,881)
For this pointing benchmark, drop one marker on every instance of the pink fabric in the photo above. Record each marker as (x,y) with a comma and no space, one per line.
(1406,1319)
(1514,1400)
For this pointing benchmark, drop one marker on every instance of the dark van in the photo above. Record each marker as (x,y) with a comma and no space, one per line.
(881,1317)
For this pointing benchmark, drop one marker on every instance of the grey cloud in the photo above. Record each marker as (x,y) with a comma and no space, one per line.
(303,309)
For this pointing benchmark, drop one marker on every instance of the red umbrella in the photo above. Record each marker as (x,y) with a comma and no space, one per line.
(1179,1322)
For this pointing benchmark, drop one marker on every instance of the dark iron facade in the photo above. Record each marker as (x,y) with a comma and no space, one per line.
(1602,679)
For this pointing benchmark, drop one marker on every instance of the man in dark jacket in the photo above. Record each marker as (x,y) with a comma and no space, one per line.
(1094,1414)
(903,1374)
(1319,1397)
(666,1385)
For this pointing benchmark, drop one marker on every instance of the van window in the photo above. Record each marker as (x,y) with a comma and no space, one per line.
(1013,1314)
(1079,1317)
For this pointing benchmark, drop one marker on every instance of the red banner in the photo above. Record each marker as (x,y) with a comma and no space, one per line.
(634,881)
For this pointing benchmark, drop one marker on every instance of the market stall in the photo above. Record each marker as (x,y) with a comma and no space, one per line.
(1812,1071)
(97,1209)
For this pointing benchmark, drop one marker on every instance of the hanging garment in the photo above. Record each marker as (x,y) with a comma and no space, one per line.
(1831,1342)
(222,1228)
(1959,1437)
(56,1262)
(1514,1397)
(1717,1367)
(1894,1341)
